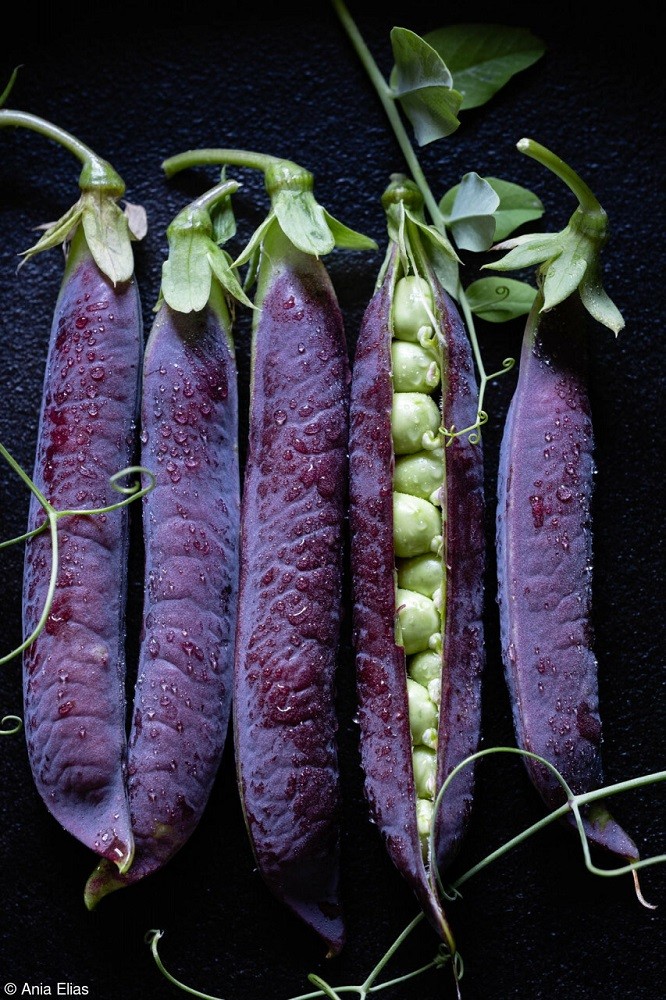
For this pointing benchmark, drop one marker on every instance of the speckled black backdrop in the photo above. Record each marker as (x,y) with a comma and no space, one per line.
(138,88)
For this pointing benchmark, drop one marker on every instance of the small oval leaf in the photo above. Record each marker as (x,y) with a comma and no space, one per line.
(482,58)
(498,300)
(517,206)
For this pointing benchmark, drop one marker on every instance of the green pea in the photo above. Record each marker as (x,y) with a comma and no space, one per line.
(422,713)
(415,421)
(424,814)
(421,474)
(425,771)
(419,619)
(412,307)
(417,526)
(423,573)
(414,369)
(425,667)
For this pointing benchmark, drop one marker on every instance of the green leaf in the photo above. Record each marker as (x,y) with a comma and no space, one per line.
(517,206)
(108,236)
(186,273)
(421,81)
(498,300)
(471,219)
(482,58)
(223,219)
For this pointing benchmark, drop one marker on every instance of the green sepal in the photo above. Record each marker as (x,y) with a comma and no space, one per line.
(108,235)
(498,300)
(252,249)
(471,217)
(346,238)
(568,261)
(526,251)
(310,227)
(421,81)
(222,267)
(186,273)
(404,224)
(57,233)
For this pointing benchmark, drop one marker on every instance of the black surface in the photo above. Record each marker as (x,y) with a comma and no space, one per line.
(137,89)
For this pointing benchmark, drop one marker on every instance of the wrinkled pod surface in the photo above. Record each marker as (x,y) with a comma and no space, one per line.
(544,564)
(417,559)
(292,539)
(74,671)
(182,699)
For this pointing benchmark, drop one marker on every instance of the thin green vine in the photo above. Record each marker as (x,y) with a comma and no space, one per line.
(442,957)
(131,493)
(385,95)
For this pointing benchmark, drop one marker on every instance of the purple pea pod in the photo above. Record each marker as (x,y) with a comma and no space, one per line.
(544,527)
(189,434)
(417,556)
(292,547)
(74,658)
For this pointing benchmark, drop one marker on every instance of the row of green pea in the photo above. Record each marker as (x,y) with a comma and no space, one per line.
(418,484)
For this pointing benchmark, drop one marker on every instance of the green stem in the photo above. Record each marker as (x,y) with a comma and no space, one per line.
(386,97)
(210,198)
(213,157)
(588,201)
(96,174)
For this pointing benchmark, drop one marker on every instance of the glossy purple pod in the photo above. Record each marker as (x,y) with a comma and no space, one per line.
(544,565)
(292,541)
(182,700)
(74,671)
(386,746)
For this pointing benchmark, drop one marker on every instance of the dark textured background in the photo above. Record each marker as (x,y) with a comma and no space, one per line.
(136,89)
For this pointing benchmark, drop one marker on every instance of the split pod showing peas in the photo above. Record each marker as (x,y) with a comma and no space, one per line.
(544,525)
(74,667)
(291,549)
(189,448)
(417,555)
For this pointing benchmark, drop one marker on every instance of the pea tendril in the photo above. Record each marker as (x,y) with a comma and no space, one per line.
(52,516)
(442,956)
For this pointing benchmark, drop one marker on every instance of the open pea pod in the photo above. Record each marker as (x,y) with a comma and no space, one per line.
(417,555)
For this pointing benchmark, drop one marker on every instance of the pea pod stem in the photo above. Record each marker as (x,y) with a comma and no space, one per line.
(588,200)
(97,173)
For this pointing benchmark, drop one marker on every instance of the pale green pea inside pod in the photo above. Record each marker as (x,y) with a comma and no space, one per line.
(415,416)
(417,525)
(420,474)
(419,619)
(424,574)
(412,307)
(425,667)
(424,814)
(413,368)
(425,771)
(422,713)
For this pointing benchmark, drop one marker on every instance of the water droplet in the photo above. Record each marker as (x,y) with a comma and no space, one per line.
(280,417)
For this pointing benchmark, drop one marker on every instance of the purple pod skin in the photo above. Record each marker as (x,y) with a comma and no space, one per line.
(74,671)
(191,518)
(544,562)
(386,744)
(292,539)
